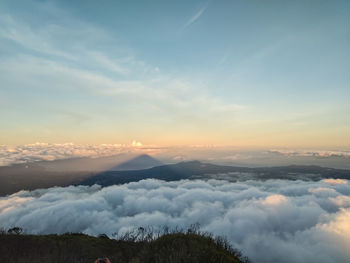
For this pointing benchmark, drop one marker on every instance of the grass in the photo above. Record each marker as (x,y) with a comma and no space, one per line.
(138,246)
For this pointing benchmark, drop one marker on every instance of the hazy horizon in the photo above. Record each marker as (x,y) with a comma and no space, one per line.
(251,157)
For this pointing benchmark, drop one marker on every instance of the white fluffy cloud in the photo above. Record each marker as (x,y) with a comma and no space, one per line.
(54,151)
(313,153)
(206,153)
(335,181)
(272,221)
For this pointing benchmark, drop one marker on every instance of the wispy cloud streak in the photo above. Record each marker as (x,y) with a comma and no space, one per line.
(196,16)
(109,74)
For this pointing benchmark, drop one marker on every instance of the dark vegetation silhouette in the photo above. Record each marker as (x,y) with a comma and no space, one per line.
(140,245)
(102,260)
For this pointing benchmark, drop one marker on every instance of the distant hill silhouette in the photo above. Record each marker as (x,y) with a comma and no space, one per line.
(171,172)
(143,161)
(33,176)
(198,170)
(64,172)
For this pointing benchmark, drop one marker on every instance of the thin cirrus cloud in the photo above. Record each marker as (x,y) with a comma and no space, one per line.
(115,76)
(196,16)
(315,215)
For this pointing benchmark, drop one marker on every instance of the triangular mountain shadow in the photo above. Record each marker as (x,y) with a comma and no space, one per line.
(143,161)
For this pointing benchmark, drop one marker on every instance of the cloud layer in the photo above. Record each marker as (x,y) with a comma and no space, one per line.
(272,221)
(313,153)
(100,79)
(55,151)
(206,153)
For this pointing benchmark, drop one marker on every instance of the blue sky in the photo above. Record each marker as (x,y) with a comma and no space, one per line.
(245,73)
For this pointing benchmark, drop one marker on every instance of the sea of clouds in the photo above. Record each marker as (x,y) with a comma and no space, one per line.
(34,152)
(28,153)
(314,153)
(271,221)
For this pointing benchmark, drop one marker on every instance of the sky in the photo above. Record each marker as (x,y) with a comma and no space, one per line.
(229,73)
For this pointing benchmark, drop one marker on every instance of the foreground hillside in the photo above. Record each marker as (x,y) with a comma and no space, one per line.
(80,248)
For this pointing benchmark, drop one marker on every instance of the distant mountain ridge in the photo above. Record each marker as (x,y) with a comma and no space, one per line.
(21,177)
(198,170)
(65,172)
(143,161)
